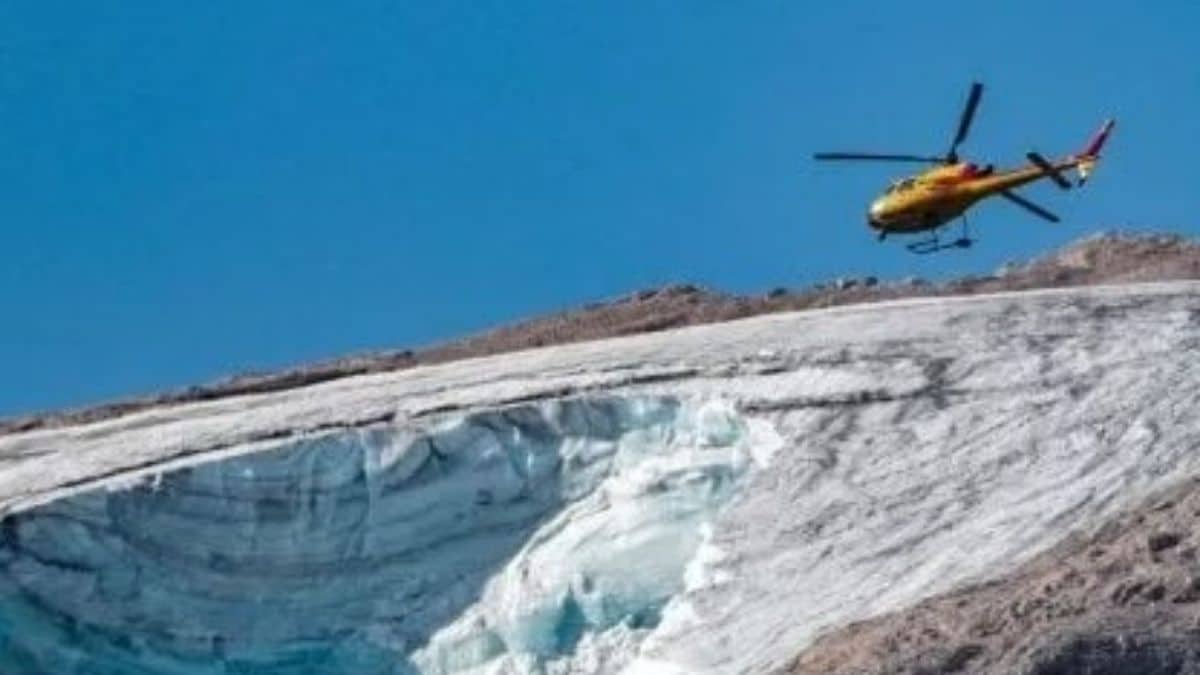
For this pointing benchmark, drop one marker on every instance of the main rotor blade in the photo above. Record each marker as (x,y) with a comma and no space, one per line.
(1048,169)
(874,157)
(964,122)
(1028,205)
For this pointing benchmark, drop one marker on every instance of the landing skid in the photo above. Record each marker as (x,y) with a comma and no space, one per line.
(933,244)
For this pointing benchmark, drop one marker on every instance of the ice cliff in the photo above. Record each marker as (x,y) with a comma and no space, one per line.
(704,500)
(518,533)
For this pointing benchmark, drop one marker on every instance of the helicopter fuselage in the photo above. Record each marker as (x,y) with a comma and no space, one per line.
(935,197)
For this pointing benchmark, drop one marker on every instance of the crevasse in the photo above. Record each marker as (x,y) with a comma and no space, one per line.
(539,538)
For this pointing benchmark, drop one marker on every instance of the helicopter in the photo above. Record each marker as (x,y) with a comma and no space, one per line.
(928,200)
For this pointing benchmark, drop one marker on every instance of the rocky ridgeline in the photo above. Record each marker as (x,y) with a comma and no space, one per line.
(1105,258)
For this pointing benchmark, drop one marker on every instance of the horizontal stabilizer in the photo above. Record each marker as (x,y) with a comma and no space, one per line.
(1049,170)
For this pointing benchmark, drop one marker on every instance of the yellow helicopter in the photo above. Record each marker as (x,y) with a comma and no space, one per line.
(932,198)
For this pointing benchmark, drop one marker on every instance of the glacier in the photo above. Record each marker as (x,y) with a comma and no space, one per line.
(705,500)
(530,528)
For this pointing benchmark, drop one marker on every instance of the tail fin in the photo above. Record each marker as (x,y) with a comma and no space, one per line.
(1091,152)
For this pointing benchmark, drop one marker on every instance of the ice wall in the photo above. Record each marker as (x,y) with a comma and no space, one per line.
(501,541)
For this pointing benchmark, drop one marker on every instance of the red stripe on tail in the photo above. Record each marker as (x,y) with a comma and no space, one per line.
(1097,142)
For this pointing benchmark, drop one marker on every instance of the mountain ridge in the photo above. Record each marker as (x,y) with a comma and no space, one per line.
(1102,258)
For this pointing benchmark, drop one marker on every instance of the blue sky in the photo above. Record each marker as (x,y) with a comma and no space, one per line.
(189,190)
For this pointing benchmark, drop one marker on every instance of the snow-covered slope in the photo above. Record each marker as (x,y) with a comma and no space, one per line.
(703,500)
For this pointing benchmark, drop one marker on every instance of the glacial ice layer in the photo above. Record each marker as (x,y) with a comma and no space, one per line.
(512,540)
